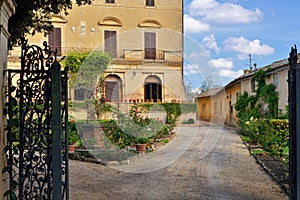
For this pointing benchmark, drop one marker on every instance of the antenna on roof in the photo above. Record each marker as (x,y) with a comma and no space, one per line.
(250,60)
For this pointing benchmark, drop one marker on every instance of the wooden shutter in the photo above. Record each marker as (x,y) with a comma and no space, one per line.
(110,44)
(112,93)
(150,45)
(54,40)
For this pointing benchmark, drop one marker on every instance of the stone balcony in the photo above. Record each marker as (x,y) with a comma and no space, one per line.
(137,56)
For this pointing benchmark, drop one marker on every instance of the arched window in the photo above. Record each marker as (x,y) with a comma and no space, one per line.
(112,86)
(153,89)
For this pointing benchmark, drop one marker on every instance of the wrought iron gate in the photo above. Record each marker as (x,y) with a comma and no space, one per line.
(294,124)
(37,132)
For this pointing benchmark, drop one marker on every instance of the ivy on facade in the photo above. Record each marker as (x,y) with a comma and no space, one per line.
(263,104)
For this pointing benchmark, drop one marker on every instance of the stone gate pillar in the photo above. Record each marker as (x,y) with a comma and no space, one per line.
(7,8)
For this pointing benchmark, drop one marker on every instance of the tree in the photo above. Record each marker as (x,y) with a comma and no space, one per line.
(189,93)
(208,84)
(33,16)
(91,71)
(86,70)
(73,62)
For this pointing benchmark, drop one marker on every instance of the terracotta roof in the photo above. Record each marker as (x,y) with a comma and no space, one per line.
(210,92)
(274,65)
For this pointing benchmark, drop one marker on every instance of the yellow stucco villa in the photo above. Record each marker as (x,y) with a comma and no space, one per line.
(144,38)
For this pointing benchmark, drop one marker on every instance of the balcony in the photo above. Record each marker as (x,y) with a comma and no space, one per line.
(137,55)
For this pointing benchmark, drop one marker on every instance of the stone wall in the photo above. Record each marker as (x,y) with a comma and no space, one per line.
(7,8)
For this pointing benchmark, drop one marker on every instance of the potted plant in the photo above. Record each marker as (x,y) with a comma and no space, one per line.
(133,129)
(141,144)
(140,128)
(73,137)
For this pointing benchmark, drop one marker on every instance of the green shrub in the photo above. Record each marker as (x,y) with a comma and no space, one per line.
(134,128)
(281,134)
(281,125)
(272,135)
(113,132)
(73,136)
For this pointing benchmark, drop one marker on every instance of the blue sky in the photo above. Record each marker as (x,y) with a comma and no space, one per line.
(220,35)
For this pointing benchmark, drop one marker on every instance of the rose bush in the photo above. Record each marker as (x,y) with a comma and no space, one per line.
(271,135)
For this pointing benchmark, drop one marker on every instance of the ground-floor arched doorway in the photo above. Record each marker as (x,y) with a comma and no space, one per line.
(112,88)
(153,89)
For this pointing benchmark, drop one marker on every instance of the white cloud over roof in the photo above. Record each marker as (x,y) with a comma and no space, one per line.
(221,63)
(245,46)
(223,68)
(230,74)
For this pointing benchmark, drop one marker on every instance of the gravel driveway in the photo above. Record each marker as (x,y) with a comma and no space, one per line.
(206,162)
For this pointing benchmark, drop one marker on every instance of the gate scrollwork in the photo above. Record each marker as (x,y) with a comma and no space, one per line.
(30,126)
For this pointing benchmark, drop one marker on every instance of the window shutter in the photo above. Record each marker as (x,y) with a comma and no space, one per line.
(58,40)
(51,39)
(54,40)
(110,44)
(150,45)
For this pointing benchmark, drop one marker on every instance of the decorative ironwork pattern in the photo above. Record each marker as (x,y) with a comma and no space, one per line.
(30,126)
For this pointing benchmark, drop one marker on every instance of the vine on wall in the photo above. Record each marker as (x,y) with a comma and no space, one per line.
(264,104)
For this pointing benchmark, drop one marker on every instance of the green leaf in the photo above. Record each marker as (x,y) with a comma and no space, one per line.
(257,151)
(6,169)
(285,151)
(15,184)
(11,195)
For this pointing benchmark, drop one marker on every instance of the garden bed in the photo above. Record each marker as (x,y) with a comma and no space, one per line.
(276,168)
(101,156)
(118,155)
(162,141)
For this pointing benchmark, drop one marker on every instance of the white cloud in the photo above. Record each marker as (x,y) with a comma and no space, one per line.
(198,55)
(202,7)
(211,43)
(244,46)
(190,69)
(221,63)
(230,74)
(233,14)
(223,68)
(224,13)
(192,25)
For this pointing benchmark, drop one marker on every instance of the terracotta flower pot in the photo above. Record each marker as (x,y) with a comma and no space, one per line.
(140,147)
(72,148)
